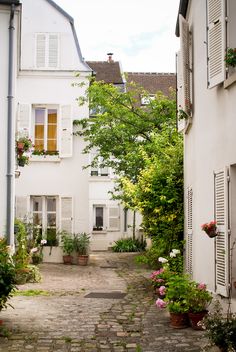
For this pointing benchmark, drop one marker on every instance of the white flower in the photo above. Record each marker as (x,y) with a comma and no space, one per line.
(172,255)
(43,242)
(33,250)
(162,260)
(176,251)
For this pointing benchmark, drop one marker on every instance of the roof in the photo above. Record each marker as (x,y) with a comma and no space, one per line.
(183,6)
(152,81)
(109,72)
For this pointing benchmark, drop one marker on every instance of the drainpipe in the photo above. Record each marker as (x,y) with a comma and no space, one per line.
(10,159)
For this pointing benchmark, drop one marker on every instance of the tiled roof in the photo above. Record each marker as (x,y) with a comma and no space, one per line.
(109,72)
(153,82)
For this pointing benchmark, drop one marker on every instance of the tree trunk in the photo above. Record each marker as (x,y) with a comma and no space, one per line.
(134,224)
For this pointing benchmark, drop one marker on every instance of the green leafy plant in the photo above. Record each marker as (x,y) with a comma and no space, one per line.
(129,245)
(198,297)
(24,146)
(177,294)
(68,243)
(230,57)
(7,275)
(45,152)
(81,243)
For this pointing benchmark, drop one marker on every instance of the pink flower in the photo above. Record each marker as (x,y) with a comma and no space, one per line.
(160,303)
(162,290)
(201,286)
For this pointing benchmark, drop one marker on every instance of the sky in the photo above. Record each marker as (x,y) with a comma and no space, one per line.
(140,33)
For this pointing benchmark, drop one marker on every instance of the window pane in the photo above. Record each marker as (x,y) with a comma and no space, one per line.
(51,220)
(39,132)
(37,219)
(39,116)
(52,116)
(52,145)
(51,204)
(37,204)
(99,216)
(52,131)
(38,144)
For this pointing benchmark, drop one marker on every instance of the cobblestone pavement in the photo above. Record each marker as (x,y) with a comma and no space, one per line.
(66,321)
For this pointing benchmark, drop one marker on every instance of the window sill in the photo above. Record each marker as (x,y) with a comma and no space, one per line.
(99,232)
(47,158)
(229,81)
(99,178)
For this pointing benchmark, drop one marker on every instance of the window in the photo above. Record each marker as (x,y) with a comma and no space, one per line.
(45,129)
(97,170)
(44,210)
(47,49)
(145,100)
(98,223)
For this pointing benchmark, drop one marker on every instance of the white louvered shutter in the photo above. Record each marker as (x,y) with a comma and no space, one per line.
(185,60)
(113,218)
(22,207)
(40,50)
(66,133)
(180,91)
(216,32)
(53,47)
(23,120)
(189,243)
(66,214)
(222,242)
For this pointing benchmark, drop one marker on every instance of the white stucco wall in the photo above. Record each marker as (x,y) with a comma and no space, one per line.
(209,146)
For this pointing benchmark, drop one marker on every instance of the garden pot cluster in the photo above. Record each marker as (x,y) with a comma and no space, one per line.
(78,243)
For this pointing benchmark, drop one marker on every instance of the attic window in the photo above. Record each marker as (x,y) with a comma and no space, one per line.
(145,100)
(47,50)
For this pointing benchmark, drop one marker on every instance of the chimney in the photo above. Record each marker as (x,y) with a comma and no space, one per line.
(110,60)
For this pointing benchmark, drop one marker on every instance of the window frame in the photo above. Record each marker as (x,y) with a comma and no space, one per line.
(47,51)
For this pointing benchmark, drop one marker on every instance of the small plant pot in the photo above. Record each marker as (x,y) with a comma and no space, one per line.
(212,234)
(179,320)
(83,260)
(67,259)
(196,318)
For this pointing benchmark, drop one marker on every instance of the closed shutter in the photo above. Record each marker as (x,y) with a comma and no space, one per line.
(222,243)
(93,169)
(40,50)
(66,136)
(23,120)
(113,218)
(53,46)
(66,214)
(180,91)
(186,70)
(22,207)
(216,32)
(189,244)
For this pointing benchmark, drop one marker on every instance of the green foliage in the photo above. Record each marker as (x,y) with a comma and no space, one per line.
(33,274)
(177,294)
(81,243)
(7,275)
(198,297)
(129,245)
(30,293)
(68,243)
(230,57)
(21,257)
(220,329)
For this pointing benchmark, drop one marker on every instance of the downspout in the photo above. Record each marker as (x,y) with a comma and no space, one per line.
(10,159)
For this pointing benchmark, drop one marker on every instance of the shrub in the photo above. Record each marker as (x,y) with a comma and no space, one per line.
(129,245)
(7,275)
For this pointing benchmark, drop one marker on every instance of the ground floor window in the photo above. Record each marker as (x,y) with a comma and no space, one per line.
(45,219)
(98,218)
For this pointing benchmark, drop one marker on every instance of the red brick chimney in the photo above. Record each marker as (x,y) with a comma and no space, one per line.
(110,60)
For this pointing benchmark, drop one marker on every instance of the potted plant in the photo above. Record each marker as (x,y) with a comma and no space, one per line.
(81,245)
(210,229)
(37,252)
(176,301)
(23,147)
(198,301)
(68,245)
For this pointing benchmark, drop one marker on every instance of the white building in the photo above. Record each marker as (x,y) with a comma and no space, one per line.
(206,94)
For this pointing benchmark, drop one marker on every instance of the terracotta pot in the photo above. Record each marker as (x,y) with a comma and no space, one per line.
(195,318)
(67,259)
(83,259)
(179,320)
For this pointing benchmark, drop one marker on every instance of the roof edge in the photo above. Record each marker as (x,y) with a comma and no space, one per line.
(9,2)
(183,7)
(58,8)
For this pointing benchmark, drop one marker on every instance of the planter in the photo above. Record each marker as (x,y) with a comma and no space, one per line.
(179,320)
(83,259)
(212,234)
(195,318)
(67,259)
(36,260)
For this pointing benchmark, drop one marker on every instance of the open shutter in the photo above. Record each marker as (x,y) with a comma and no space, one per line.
(185,60)
(222,242)
(189,243)
(66,135)
(22,207)
(113,218)
(180,91)
(53,46)
(216,32)
(23,120)
(66,214)
(40,50)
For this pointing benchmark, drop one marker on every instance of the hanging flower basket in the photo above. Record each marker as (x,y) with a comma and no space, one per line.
(210,229)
